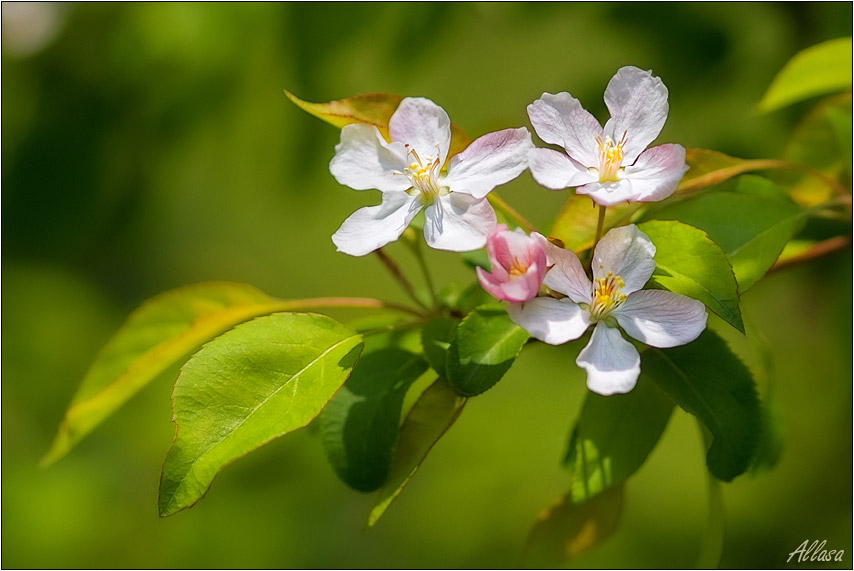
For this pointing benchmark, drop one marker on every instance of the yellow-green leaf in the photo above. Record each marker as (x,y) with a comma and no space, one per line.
(711,167)
(575,225)
(817,70)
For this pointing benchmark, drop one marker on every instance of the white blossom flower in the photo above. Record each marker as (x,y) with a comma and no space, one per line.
(622,264)
(409,173)
(611,164)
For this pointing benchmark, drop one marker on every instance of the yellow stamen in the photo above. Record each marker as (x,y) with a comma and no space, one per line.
(606,296)
(610,158)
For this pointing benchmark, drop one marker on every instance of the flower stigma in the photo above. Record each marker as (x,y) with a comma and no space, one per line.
(610,159)
(424,176)
(606,296)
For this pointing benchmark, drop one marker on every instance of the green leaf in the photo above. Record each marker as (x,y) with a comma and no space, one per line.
(436,339)
(566,529)
(576,222)
(257,382)
(613,437)
(427,422)
(155,336)
(371,109)
(706,379)
(484,347)
(360,424)
(688,262)
(817,70)
(708,168)
(751,225)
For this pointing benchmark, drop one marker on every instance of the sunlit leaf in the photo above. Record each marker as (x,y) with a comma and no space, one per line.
(819,69)
(360,424)
(688,262)
(155,336)
(709,168)
(372,109)
(613,437)
(483,348)
(751,225)
(566,529)
(576,222)
(257,382)
(427,422)
(706,379)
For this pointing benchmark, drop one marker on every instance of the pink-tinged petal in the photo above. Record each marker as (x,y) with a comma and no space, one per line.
(373,227)
(458,222)
(559,119)
(566,275)
(505,287)
(611,362)
(638,104)
(609,193)
(555,170)
(364,160)
(625,252)
(508,249)
(661,318)
(657,172)
(423,125)
(489,161)
(550,320)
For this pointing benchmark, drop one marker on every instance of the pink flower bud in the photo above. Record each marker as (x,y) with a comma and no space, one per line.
(518,265)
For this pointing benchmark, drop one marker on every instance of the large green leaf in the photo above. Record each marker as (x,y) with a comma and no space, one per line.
(706,379)
(257,382)
(576,222)
(688,262)
(433,414)
(436,340)
(484,347)
(360,424)
(613,437)
(567,529)
(817,70)
(155,336)
(751,224)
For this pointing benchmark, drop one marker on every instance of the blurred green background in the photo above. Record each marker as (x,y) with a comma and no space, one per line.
(148,146)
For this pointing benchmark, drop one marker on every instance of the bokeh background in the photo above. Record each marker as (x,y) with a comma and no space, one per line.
(149,146)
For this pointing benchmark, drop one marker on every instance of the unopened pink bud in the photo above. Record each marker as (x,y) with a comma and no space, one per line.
(518,265)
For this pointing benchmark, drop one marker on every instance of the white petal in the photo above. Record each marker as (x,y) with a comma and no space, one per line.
(364,160)
(489,161)
(423,125)
(566,275)
(373,227)
(661,318)
(637,101)
(625,252)
(555,170)
(550,320)
(656,173)
(609,193)
(458,222)
(561,120)
(611,362)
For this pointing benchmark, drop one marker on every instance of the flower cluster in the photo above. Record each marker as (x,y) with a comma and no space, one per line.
(546,289)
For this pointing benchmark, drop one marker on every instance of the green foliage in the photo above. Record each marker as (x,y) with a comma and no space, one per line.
(751,224)
(261,380)
(817,70)
(360,424)
(613,437)
(436,339)
(575,224)
(707,380)
(483,348)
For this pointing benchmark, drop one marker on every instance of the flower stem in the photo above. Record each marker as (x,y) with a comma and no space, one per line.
(712,542)
(401,279)
(600,225)
(508,210)
(344,302)
(416,248)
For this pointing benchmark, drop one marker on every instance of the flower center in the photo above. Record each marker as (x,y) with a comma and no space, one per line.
(424,176)
(610,159)
(606,296)
(517,269)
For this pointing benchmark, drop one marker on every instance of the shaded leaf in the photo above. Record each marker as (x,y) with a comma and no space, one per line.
(436,339)
(427,422)
(751,225)
(360,424)
(483,348)
(576,222)
(155,336)
(823,68)
(257,382)
(613,437)
(566,529)
(706,379)
(688,262)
